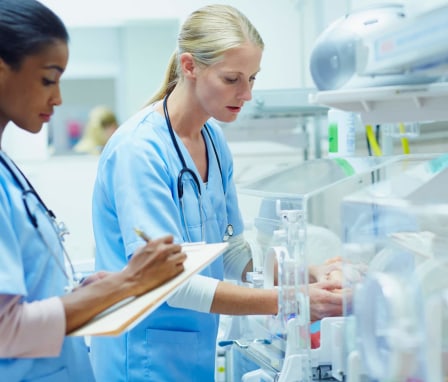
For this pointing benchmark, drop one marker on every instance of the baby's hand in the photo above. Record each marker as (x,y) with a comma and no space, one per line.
(334,269)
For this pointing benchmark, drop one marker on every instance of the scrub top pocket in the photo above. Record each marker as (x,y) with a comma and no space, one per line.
(175,356)
(59,376)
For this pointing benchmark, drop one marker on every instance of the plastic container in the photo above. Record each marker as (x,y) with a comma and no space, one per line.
(342,127)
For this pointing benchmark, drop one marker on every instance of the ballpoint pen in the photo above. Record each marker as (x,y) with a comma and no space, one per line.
(141,234)
(145,237)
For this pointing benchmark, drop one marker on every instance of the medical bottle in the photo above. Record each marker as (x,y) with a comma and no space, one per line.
(342,132)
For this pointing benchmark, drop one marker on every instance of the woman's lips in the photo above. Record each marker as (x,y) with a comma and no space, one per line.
(234,109)
(45,117)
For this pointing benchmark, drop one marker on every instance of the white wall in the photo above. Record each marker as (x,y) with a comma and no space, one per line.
(288,27)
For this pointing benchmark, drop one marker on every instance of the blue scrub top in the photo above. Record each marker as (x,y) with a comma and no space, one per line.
(29,270)
(136,186)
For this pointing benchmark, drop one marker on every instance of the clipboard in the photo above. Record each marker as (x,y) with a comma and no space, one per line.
(129,312)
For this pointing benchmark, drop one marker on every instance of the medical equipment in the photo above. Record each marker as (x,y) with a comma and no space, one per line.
(293,317)
(316,191)
(335,55)
(186,171)
(34,205)
(395,74)
(395,323)
(397,228)
(296,210)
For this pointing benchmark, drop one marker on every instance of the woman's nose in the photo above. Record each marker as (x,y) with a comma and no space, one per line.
(56,98)
(246,92)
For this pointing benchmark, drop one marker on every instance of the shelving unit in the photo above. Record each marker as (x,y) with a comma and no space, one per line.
(406,103)
(283,116)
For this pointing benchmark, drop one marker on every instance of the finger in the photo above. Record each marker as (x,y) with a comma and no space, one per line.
(178,258)
(330,284)
(158,250)
(333,260)
(102,274)
(170,251)
(150,245)
(95,277)
(328,297)
(168,239)
(178,254)
(167,244)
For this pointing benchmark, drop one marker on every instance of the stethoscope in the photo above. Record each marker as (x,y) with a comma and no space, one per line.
(60,228)
(187,171)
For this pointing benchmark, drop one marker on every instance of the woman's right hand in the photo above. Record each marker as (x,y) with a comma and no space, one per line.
(326,299)
(154,263)
(151,265)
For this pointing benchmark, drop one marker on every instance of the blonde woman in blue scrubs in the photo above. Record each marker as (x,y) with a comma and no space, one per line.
(169,170)
(36,311)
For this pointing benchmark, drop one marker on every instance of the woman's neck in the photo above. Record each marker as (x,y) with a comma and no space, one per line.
(2,129)
(186,115)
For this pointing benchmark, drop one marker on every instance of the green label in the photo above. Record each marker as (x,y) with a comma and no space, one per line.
(333,138)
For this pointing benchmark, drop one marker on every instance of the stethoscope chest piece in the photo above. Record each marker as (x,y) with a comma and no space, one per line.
(229,232)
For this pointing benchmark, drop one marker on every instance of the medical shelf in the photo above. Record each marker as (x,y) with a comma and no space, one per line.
(405,103)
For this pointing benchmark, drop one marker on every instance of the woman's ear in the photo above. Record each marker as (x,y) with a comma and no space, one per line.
(187,65)
(3,67)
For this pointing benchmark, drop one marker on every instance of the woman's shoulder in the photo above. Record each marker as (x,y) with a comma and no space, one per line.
(141,140)
(141,128)
(147,116)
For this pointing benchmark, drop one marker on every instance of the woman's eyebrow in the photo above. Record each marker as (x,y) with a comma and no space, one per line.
(56,67)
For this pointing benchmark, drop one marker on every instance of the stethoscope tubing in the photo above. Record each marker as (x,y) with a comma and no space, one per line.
(186,170)
(52,218)
(31,189)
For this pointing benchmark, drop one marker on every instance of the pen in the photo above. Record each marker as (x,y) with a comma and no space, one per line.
(143,235)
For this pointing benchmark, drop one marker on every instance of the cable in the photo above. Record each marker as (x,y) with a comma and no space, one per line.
(373,143)
(404,140)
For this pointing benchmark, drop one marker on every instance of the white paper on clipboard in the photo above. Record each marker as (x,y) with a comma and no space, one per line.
(125,314)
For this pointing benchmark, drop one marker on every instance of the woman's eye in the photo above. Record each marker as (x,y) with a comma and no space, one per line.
(231,80)
(47,82)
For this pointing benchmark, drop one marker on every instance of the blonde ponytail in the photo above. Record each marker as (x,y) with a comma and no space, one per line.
(169,81)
